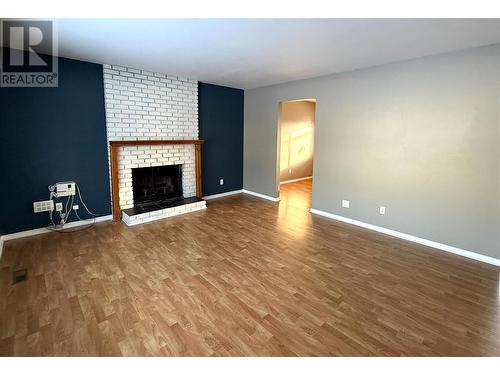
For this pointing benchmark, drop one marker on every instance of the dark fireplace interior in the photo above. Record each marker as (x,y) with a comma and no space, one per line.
(156,184)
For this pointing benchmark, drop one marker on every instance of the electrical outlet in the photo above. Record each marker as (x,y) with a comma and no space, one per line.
(289,170)
(76,207)
(221,181)
(382,210)
(59,206)
(43,206)
(345,203)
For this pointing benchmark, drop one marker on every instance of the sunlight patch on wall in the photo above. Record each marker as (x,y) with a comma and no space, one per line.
(296,146)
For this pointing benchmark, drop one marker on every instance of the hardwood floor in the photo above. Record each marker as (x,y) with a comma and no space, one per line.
(246,277)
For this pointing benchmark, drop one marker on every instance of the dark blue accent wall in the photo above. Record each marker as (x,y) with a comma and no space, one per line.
(49,135)
(221,126)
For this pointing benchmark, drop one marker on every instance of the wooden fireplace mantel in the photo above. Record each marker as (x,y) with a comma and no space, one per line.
(113,150)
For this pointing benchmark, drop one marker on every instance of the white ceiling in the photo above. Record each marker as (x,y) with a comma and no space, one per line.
(248,53)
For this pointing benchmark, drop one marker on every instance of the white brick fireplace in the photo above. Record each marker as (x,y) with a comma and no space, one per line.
(146,106)
(153,156)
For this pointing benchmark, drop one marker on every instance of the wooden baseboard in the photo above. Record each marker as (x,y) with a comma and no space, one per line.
(37,231)
(409,237)
(296,180)
(259,195)
(220,195)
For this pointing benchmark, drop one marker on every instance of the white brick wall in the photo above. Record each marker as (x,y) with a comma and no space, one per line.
(145,105)
(141,105)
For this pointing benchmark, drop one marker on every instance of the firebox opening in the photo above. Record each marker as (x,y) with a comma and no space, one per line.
(156,184)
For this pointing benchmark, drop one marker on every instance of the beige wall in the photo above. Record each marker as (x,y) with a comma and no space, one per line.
(420,137)
(297,139)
